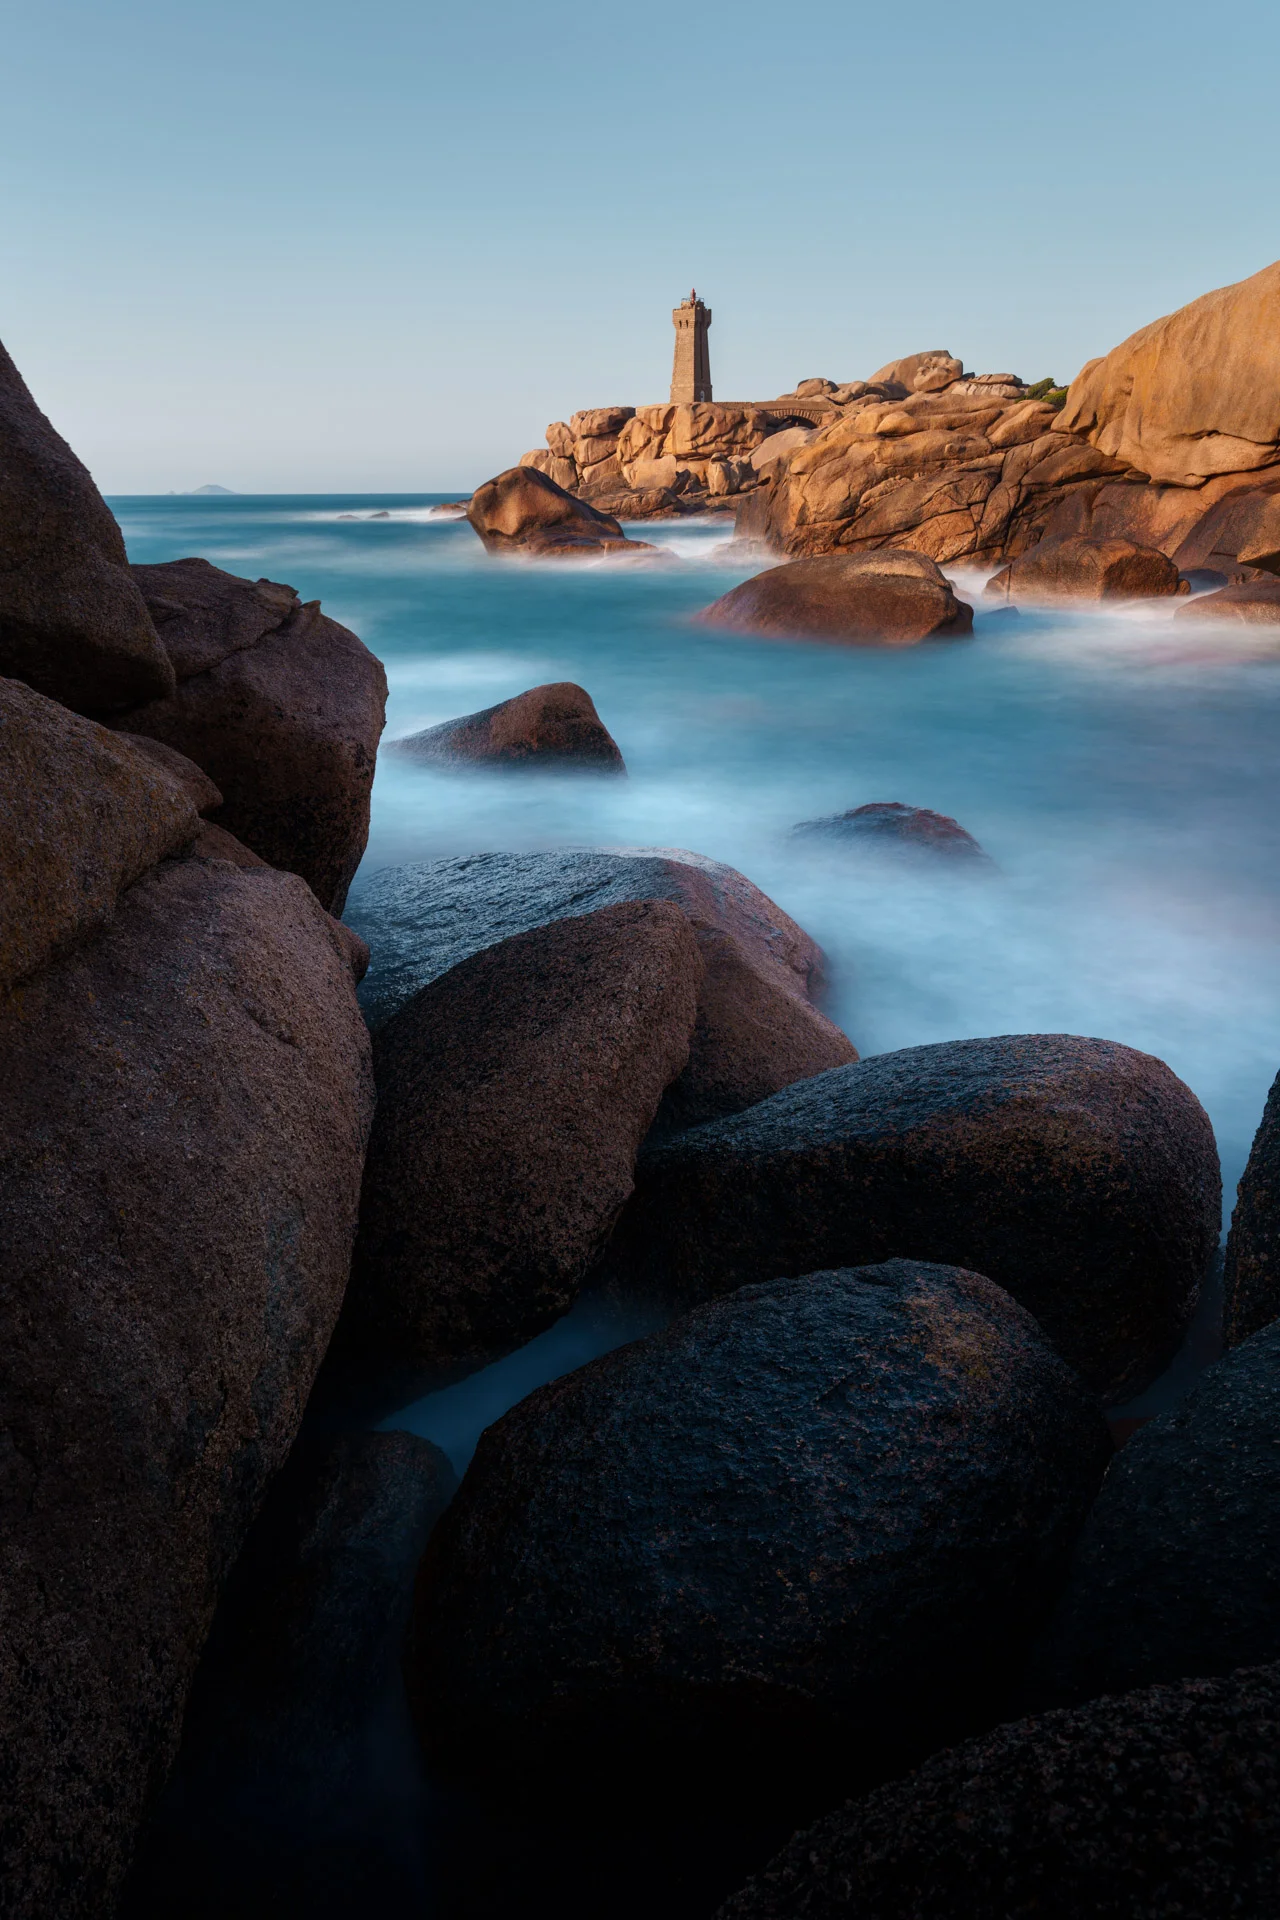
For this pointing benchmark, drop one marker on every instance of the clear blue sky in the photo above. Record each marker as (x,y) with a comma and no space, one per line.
(297,244)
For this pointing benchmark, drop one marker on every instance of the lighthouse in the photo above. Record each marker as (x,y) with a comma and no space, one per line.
(691,371)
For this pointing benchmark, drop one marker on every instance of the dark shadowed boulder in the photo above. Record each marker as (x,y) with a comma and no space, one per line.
(780,1548)
(513,1095)
(83,814)
(757,1027)
(888,826)
(72,623)
(280,706)
(1248,603)
(1080,1175)
(283,1799)
(183,1111)
(194,781)
(524,511)
(1153,1804)
(556,725)
(1177,1572)
(1084,569)
(1252,1266)
(889,598)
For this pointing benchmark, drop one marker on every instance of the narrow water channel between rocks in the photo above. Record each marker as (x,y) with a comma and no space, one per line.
(1120,771)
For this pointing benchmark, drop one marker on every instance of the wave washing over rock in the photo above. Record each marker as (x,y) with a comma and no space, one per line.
(795,1367)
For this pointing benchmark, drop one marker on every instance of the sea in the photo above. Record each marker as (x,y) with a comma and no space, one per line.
(1120,769)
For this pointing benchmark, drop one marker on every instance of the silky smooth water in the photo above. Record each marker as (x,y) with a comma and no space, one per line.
(1121,771)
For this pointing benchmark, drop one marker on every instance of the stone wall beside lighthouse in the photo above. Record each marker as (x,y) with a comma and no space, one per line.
(691,371)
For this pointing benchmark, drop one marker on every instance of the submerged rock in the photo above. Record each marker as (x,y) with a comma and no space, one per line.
(1080,1175)
(890,598)
(1176,1571)
(513,1095)
(524,510)
(183,1110)
(1086,569)
(1150,1804)
(280,706)
(553,725)
(757,1027)
(782,1547)
(887,824)
(1251,1270)
(72,623)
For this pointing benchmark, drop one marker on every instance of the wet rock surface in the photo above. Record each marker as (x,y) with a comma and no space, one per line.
(1086,569)
(288,1793)
(513,1095)
(1132,1808)
(83,814)
(1177,1570)
(1080,1175)
(555,725)
(1245,603)
(890,598)
(1251,1273)
(524,510)
(184,1112)
(889,826)
(757,1027)
(72,623)
(786,1544)
(281,707)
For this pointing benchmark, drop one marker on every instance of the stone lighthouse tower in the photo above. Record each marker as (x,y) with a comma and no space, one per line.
(691,373)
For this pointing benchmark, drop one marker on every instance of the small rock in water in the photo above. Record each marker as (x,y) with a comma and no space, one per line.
(554,725)
(890,825)
(1084,569)
(382,515)
(1248,603)
(888,598)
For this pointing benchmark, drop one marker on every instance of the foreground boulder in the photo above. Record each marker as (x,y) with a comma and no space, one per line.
(83,814)
(555,725)
(890,598)
(513,1095)
(1175,1572)
(275,1804)
(1252,1265)
(1194,394)
(1247,603)
(782,1547)
(280,706)
(1080,1175)
(182,1126)
(1086,569)
(72,623)
(1156,1803)
(757,1027)
(889,826)
(524,510)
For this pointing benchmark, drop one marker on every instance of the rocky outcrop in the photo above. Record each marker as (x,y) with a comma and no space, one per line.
(83,814)
(888,826)
(274,1805)
(1175,1572)
(280,706)
(1251,1273)
(1156,1803)
(891,599)
(929,372)
(1250,603)
(781,1548)
(1086,569)
(513,1095)
(1079,1175)
(1193,395)
(182,1124)
(757,1028)
(524,511)
(556,726)
(72,623)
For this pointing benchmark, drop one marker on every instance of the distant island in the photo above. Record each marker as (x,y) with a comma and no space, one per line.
(192,491)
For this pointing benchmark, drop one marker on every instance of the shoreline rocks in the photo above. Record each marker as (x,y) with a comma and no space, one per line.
(1079,568)
(549,726)
(524,510)
(892,598)
(783,1546)
(1251,1270)
(1080,1175)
